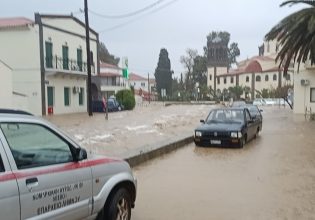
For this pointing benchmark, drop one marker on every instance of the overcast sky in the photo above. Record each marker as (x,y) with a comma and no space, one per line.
(172,24)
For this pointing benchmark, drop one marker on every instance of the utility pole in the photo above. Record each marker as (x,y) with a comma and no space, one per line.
(88,55)
(149,88)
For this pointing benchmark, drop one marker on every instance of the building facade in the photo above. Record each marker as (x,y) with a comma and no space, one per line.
(255,74)
(143,87)
(108,82)
(48,61)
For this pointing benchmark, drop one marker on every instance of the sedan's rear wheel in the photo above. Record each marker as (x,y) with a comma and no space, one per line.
(119,207)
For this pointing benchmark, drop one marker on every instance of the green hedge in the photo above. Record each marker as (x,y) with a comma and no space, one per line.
(127,98)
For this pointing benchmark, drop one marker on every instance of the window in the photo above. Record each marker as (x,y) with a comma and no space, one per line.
(49,54)
(258,78)
(266,78)
(81,96)
(288,77)
(79,59)
(274,77)
(210,76)
(247,115)
(65,57)
(67,96)
(218,80)
(247,78)
(50,95)
(224,80)
(1,165)
(92,58)
(232,79)
(34,145)
(142,84)
(312,95)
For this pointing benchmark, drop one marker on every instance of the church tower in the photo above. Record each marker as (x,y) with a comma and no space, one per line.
(218,60)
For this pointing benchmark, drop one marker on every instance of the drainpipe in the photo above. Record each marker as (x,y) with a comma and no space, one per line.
(38,21)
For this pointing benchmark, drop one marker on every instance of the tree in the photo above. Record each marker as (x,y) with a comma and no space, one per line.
(127,98)
(233,51)
(295,35)
(188,62)
(236,92)
(105,56)
(163,73)
(199,70)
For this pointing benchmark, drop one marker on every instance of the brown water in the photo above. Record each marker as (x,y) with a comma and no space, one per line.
(273,177)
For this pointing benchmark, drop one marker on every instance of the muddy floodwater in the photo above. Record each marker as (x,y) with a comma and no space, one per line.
(273,177)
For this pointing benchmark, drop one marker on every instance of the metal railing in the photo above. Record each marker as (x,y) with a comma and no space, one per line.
(60,63)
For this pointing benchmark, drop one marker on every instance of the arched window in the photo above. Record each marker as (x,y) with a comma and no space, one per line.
(247,78)
(258,78)
(232,79)
(210,77)
(266,78)
(274,77)
(224,80)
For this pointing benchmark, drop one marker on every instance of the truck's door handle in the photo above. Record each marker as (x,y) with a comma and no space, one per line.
(31,182)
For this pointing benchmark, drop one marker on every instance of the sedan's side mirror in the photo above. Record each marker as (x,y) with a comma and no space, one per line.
(261,110)
(81,154)
(202,121)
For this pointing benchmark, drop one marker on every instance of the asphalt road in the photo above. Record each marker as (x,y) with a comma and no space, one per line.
(273,177)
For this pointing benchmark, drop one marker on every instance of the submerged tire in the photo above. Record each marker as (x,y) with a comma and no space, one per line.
(119,206)
(243,142)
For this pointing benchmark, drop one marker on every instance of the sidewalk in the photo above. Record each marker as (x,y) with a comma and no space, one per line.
(127,134)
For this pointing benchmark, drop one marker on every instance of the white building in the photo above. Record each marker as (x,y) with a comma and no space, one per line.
(6,89)
(304,88)
(108,82)
(48,61)
(143,86)
(257,73)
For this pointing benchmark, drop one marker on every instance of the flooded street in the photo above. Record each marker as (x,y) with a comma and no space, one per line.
(273,177)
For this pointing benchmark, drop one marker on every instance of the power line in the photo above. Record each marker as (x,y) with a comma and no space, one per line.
(128,14)
(135,19)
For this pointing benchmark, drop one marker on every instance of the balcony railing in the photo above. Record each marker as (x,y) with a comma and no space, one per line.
(60,63)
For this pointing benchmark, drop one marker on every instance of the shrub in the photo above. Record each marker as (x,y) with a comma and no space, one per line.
(127,98)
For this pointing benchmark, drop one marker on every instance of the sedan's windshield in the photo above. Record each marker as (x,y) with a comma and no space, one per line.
(225,116)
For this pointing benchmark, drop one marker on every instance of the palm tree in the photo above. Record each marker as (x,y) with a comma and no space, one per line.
(296,35)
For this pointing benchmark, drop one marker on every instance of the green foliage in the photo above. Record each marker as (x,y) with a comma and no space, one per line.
(127,98)
(236,92)
(265,93)
(295,35)
(105,56)
(163,73)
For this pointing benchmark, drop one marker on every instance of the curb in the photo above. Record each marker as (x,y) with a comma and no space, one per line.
(146,153)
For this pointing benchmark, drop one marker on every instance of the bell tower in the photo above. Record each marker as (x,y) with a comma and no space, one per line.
(218,60)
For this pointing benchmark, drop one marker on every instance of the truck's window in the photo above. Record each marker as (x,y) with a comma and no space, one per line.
(1,165)
(34,145)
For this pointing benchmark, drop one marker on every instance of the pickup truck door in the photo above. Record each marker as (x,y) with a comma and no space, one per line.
(9,192)
(52,185)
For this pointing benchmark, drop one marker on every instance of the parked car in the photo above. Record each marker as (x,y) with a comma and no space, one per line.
(226,127)
(114,105)
(270,101)
(44,174)
(259,102)
(255,113)
(238,103)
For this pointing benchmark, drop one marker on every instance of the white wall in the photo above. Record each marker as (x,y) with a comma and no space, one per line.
(59,82)
(20,50)
(5,86)
(302,93)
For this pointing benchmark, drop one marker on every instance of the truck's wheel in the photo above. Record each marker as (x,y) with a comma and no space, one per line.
(119,206)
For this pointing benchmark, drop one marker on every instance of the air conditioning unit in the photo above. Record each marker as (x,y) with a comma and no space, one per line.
(305,82)
(75,89)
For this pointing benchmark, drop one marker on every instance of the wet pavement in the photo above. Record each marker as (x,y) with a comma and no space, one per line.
(273,177)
